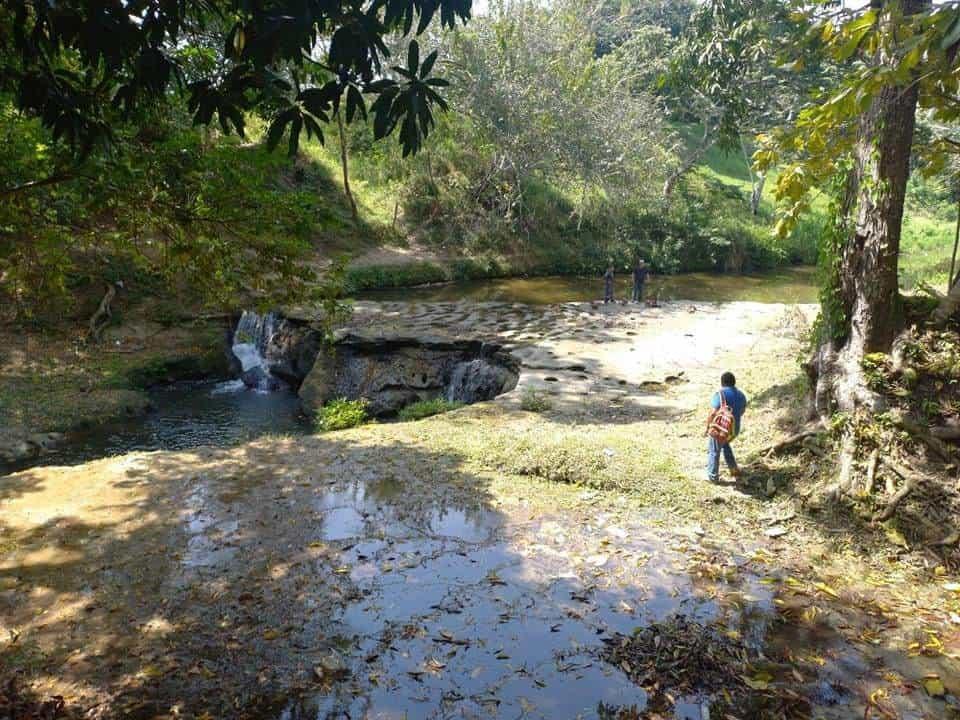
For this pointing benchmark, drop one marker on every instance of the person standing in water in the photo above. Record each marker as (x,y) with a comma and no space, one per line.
(640,272)
(608,285)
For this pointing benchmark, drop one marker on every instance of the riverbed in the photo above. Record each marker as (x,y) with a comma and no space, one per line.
(475,564)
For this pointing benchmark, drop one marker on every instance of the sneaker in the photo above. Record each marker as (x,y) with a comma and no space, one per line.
(735,473)
(713,480)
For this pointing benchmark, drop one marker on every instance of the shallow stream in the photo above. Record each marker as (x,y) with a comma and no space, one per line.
(791,285)
(186,415)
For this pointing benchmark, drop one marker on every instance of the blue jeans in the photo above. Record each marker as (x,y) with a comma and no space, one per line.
(713,458)
(638,292)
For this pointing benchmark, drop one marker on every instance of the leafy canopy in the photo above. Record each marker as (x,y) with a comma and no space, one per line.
(877,47)
(82,66)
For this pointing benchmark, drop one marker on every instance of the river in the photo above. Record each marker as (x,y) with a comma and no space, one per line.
(790,285)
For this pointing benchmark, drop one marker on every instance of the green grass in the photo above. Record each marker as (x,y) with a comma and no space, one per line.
(925,250)
(425,408)
(341,414)
(534,400)
(928,226)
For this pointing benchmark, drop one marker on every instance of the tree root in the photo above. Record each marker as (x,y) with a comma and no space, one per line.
(789,442)
(872,469)
(910,483)
(102,316)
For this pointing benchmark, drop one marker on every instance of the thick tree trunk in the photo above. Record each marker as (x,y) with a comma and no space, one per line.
(869,290)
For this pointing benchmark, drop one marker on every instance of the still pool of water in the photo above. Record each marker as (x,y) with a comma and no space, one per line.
(186,415)
(791,285)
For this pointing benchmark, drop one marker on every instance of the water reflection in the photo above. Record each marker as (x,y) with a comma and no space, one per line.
(187,415)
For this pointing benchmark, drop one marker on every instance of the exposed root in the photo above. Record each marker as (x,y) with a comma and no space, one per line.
(910,483)
(872,470)
(102,316)
(790,442)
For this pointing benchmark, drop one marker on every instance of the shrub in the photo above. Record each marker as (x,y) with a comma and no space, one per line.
(341,414)
(425,408)
(534,400)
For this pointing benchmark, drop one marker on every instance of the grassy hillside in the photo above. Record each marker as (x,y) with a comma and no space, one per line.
(928,228)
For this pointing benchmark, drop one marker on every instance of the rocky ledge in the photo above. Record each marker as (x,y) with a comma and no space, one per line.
(393,372)
(388,371)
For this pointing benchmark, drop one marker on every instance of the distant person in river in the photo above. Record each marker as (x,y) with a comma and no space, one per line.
(640,273)
(723,425)
(608,285)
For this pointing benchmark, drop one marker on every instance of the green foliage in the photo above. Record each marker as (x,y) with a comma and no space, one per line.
(917,47)
(533,400)
(341,414)
(832,322)
(875,369)
(371,277)
(83,68)
(425,408)
(204,217)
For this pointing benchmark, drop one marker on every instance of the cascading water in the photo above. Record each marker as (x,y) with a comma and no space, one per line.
(250,342)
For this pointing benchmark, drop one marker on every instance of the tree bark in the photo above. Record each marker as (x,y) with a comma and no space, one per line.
(757,180)
(869,289)
(344,164)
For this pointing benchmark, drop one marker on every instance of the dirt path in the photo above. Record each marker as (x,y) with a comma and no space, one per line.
(433,569)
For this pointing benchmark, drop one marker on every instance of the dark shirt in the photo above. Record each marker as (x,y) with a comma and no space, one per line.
(640,274)
(608,276)
(735,399)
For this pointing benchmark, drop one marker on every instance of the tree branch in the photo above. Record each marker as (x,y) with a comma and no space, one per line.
(51,180)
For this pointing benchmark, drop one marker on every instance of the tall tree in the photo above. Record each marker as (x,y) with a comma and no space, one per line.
(82,66)
(725,75)
(898,55)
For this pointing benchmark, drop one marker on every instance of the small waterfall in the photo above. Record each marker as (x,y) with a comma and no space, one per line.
(250,342)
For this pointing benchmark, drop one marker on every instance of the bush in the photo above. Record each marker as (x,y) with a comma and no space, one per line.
(534,400)
(425,408)
(374,277)
(341,414)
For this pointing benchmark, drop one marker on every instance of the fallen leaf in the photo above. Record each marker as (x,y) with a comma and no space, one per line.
(934,686)
(826,589)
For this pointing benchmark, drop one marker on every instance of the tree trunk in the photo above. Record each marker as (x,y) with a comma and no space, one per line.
(756,195)
(706,142)
(869,290)
(757,180)
(345,165)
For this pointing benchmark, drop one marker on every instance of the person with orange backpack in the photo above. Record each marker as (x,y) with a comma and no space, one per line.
(723,425)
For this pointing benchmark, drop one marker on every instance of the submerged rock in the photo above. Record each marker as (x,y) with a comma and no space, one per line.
(17,448)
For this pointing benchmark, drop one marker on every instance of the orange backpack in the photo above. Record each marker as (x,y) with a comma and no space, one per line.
(722,422)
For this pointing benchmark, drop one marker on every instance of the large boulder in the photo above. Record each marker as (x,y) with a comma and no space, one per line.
(392,372)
